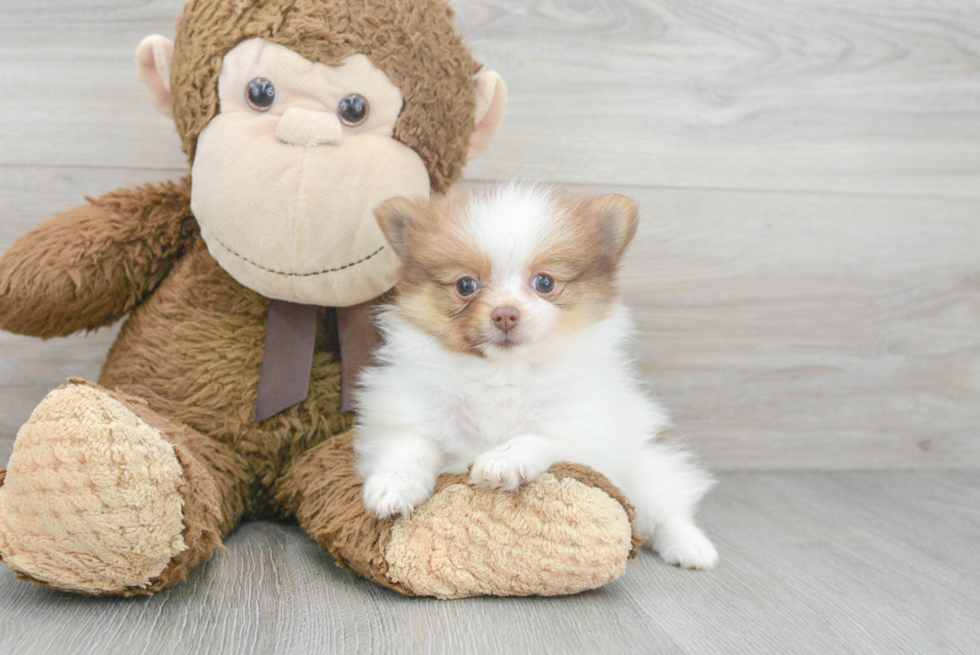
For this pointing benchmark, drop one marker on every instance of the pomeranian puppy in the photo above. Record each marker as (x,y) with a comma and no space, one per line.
(507,349)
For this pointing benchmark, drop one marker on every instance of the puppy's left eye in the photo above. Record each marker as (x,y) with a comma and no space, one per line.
(544,284)
(466,287)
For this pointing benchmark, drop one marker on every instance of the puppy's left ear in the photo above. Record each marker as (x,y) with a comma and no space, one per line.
(618,218)
(397,217)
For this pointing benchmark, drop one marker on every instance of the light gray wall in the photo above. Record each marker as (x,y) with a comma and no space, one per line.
(807,277)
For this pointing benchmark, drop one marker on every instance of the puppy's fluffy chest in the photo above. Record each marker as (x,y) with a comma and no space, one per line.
(469,404)
(491,404)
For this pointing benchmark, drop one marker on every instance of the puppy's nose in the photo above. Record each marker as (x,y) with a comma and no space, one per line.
(307,127)
(505,318)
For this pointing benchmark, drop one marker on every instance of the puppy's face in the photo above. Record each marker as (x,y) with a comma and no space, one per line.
(492,273)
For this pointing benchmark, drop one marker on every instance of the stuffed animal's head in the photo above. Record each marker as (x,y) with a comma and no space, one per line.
(300,117)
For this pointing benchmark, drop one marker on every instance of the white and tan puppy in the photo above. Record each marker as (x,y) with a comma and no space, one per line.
(507,350)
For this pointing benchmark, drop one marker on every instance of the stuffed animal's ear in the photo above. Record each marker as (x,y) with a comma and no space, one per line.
(619,219)
(154,60)
(397,217)
(491,105)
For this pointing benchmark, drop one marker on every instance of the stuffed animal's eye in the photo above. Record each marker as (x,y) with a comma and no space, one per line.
(261,94)
(544,284)
(353,109)
(466,287)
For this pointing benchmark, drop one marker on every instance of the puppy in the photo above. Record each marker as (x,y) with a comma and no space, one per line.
(506,349)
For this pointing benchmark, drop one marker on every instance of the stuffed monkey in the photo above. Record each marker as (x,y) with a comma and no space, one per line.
(247,294)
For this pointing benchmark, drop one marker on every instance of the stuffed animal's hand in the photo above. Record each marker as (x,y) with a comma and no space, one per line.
(89,266)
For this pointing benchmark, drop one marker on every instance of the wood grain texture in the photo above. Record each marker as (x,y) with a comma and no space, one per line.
(878,96)
(785,331)
(812,331)
(811,563)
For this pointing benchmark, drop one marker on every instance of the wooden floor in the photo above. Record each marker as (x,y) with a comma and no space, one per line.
(882,562)
(806,284)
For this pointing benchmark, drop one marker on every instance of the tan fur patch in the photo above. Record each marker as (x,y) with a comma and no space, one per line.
(91,502)
(436,251)
(584,253)
(554,537)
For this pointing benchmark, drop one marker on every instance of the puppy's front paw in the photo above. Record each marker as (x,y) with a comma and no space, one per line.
(390,494)
(502,468)
(684,545)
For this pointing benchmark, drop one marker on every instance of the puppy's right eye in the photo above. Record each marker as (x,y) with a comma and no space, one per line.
(544,284)
(466,287)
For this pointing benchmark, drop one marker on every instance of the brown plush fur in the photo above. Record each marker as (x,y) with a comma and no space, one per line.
(214,492)
(187,359)
(89,266)
(194,351)
(562,470)
(325,493)
(413,41)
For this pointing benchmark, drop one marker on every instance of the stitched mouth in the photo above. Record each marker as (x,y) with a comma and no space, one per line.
(324,271)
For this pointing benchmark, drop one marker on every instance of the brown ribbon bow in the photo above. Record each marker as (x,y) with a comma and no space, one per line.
(287,359)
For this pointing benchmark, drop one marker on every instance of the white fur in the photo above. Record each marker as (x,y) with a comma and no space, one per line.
(426,409)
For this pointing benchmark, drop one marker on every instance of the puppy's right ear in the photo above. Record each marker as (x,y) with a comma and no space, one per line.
(397,217)
(619,218)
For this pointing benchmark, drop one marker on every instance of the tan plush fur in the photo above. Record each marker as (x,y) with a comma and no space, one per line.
(511,544)
(124,488)
(92,502)
(568,531)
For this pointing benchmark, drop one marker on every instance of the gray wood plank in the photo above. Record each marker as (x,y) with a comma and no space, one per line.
(812,331)
(786,331)
(876,96)
(811,563)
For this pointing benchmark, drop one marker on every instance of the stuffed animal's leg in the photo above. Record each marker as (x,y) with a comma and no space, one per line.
(104,497)
(567,531)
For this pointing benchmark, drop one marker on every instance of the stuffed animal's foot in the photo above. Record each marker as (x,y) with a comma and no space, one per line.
(562,533)
(566,531)
(91,500)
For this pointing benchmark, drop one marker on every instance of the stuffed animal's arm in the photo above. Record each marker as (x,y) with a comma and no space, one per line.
(89,266)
